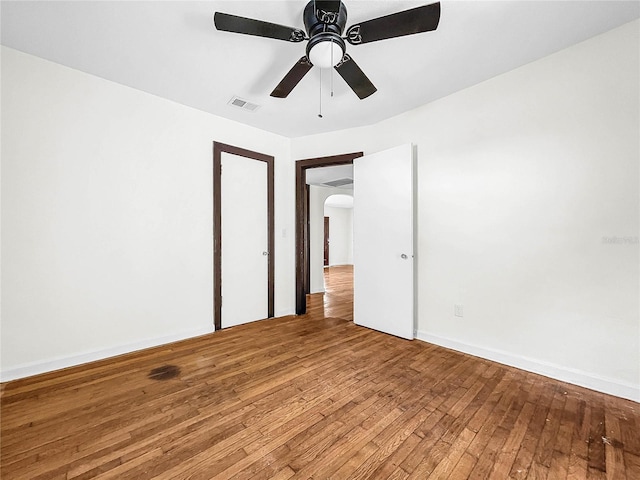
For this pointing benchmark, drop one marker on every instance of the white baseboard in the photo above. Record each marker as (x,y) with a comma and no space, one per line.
(573,376)
(569,375)
(35,368)
(283,313)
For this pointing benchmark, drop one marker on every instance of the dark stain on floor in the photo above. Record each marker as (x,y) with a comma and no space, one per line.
(165,372)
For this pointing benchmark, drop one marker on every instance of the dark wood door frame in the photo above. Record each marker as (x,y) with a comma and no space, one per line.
(302,220)
(218,150)
(326,241)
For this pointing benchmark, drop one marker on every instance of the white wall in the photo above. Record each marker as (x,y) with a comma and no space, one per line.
(107,216)
(522,180)
(340,235)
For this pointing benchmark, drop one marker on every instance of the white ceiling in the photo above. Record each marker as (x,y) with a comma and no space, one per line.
(322,175)
(172,50)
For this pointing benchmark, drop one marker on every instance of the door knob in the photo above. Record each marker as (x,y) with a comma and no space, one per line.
(404,256)
(265,253)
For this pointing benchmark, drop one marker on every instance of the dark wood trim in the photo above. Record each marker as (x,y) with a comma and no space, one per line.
(218,149)
(307,247)
(327,253)
(302,218)
(217,237)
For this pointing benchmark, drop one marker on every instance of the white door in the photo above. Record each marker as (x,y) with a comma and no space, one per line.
(383,241)
(244,240)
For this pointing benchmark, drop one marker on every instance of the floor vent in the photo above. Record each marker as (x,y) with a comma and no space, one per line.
(340,182)
(241,103)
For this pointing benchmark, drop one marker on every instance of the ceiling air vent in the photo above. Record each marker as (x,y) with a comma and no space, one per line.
(341,182)
(241,103)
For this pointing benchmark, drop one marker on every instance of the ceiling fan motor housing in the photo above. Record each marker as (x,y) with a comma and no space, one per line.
(319,20)
(325,34)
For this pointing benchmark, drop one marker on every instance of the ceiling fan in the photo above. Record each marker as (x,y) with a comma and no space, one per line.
(324,22)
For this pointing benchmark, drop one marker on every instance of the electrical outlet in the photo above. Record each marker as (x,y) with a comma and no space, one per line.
(457,310)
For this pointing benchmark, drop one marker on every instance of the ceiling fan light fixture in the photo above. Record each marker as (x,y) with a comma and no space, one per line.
(325,54)
(325,50)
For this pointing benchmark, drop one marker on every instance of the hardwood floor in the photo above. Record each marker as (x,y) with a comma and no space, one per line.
(337,301)
(311,397)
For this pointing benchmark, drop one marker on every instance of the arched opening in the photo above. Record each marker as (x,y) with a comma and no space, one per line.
(330,230)
(338,231)
(338,256)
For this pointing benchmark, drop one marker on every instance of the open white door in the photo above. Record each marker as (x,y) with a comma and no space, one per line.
(244,240)
(383,241)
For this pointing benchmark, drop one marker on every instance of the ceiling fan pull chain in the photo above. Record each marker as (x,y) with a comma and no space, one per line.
(320,108)
(331,72)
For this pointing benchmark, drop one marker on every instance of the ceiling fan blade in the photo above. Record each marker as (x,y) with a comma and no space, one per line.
(355,78)
(408,22)
(291,79)
(248,26)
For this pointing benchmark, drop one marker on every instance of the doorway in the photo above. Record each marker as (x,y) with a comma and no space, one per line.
(252,172)
(338,212)
(389,260)
(302,220)
(331,202)
(326,241)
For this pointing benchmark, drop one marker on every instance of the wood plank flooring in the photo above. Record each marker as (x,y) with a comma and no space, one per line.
(311,397)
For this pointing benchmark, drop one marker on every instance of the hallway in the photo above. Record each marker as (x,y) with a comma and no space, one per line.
(337,300)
